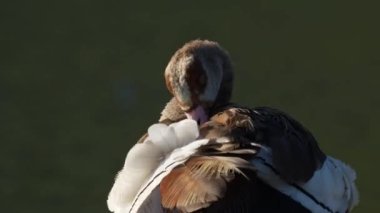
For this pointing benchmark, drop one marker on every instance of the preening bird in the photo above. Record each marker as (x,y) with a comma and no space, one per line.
(237,159)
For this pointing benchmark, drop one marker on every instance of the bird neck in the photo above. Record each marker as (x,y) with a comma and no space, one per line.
(172,112)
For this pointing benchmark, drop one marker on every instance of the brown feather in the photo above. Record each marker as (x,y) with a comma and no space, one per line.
(172,112)
(296,153)
(185,191)
(200,182)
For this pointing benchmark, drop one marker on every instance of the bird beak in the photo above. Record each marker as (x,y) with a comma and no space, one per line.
(198,114)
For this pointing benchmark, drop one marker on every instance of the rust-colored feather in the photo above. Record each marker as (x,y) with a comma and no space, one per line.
(185,191)
(201,181)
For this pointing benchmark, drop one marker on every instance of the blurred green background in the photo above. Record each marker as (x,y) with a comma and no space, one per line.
(80,81)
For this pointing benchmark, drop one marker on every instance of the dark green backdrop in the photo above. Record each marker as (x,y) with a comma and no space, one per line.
(81,80)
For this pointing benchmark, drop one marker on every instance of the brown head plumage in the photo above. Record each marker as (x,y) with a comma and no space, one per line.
(200,74)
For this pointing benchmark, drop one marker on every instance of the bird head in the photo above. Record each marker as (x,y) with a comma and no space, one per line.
(200,76)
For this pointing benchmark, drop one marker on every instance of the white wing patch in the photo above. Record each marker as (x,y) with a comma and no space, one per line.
(332,188)
(143,159)
(148,191)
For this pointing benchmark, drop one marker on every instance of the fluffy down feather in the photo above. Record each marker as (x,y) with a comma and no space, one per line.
(143,159)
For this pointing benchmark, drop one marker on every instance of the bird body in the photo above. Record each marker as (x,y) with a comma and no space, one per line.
(324,192)
(226,157)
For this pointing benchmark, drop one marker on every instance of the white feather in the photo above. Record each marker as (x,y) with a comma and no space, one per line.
(144,158)
(186,131)
(333,184)
(148,192)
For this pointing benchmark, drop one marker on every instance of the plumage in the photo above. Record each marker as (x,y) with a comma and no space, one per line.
(202,180)
(172,112)
(144,158)
(199,73)
(240,128)
(331,188)
(189,180)
(238,159)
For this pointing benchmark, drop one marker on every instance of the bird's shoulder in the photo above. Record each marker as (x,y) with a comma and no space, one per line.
(296,153)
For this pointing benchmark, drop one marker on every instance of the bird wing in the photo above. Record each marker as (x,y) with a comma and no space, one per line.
(296,153)
(222,172)
(331,188)
(147,197)
(204,177)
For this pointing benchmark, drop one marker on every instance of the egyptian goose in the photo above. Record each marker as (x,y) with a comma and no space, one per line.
(237,159)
